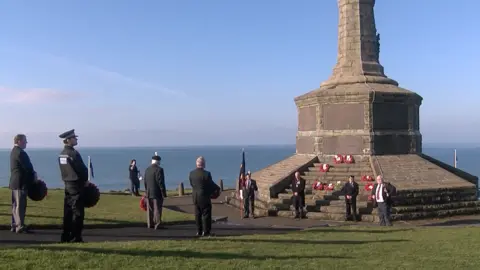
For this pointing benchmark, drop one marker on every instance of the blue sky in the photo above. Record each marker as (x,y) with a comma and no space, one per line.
(214,71)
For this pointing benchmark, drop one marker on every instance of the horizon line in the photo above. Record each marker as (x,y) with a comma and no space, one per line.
(240,146)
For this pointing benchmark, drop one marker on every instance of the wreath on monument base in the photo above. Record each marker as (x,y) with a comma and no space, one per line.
(369,187)
(324,167)
(338,159)
(367,178)
(349,159)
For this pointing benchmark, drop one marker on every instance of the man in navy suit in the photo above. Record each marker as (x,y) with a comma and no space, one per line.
(382,195)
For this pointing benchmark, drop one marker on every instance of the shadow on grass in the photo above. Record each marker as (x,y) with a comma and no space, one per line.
(102,223)
(182,253)
(454,223)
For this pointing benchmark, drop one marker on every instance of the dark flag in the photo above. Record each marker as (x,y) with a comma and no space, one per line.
(90,166)
(242,169)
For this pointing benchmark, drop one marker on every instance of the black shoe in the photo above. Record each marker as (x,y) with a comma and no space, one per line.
(158,227)
(199,234)
(13,229)
(208,234)
(77,240)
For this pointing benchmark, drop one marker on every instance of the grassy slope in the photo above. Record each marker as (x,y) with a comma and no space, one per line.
(327,248)
(111,209)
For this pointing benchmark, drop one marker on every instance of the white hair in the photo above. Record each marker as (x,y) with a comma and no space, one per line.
(200,162)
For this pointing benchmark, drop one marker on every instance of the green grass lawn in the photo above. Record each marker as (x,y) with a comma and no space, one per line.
(111,209)
(326,248)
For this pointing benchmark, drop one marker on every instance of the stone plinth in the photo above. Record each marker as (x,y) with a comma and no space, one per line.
(359,119)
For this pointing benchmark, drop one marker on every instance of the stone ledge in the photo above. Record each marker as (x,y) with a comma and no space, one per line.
(408,172)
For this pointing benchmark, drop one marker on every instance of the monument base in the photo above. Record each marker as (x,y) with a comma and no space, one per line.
(359,119)
(426,187)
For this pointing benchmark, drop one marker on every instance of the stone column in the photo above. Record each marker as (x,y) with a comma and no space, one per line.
(358,46)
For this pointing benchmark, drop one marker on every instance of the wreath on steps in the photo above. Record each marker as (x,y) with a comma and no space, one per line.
(318,185)
(338,159)
(324,167)
(349,159)
(367,178)
(369,187)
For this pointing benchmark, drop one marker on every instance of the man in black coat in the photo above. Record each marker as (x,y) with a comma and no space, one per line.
(350,191)
(74,174)
(22,175)
(248,195)
(298,189)
(154,180)
(202,189)
(382,195)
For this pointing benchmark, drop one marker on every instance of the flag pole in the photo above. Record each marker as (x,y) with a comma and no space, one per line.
(240,183)
(89,169)
(455,158)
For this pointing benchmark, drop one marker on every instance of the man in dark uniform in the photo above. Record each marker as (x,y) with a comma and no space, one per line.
(350,191)
(298,189)
(248,194)
(202,189)
(154,180)
(75,175)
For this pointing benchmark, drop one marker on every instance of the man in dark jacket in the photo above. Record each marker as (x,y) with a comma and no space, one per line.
(22,176)
(298,189)
(154,180)
(350,191)
(74,174)
(202,189)
(249,188)
(382,195)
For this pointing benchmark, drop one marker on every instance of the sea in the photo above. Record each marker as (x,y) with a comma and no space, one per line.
(110,165)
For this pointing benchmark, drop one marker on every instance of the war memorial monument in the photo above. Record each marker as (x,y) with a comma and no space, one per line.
(362,114)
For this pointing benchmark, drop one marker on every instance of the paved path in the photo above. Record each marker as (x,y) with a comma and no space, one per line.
(173,232)
(184,204)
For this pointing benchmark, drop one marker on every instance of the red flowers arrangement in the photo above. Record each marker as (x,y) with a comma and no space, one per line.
(322,186)
(367,178)
(324,167)
(369,187)
(143,203)
(349,159)
(338,159)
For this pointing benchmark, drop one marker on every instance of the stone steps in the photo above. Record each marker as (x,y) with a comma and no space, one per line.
(344,165)
(349,170)
(332,178)
(327,216)
(433,207)
(333,173)
(437,214)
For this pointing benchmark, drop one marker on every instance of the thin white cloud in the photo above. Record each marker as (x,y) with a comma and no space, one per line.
(34,95)
(114,76)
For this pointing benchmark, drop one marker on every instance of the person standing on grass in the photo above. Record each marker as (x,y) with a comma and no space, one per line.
(202,189)
(350,191)
(134,179)
(155,192)
(382,195)
(22,175)
(74,174)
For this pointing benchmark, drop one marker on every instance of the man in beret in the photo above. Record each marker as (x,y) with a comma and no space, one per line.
(154,180)
(22,175)
(74,173)
(202,189)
